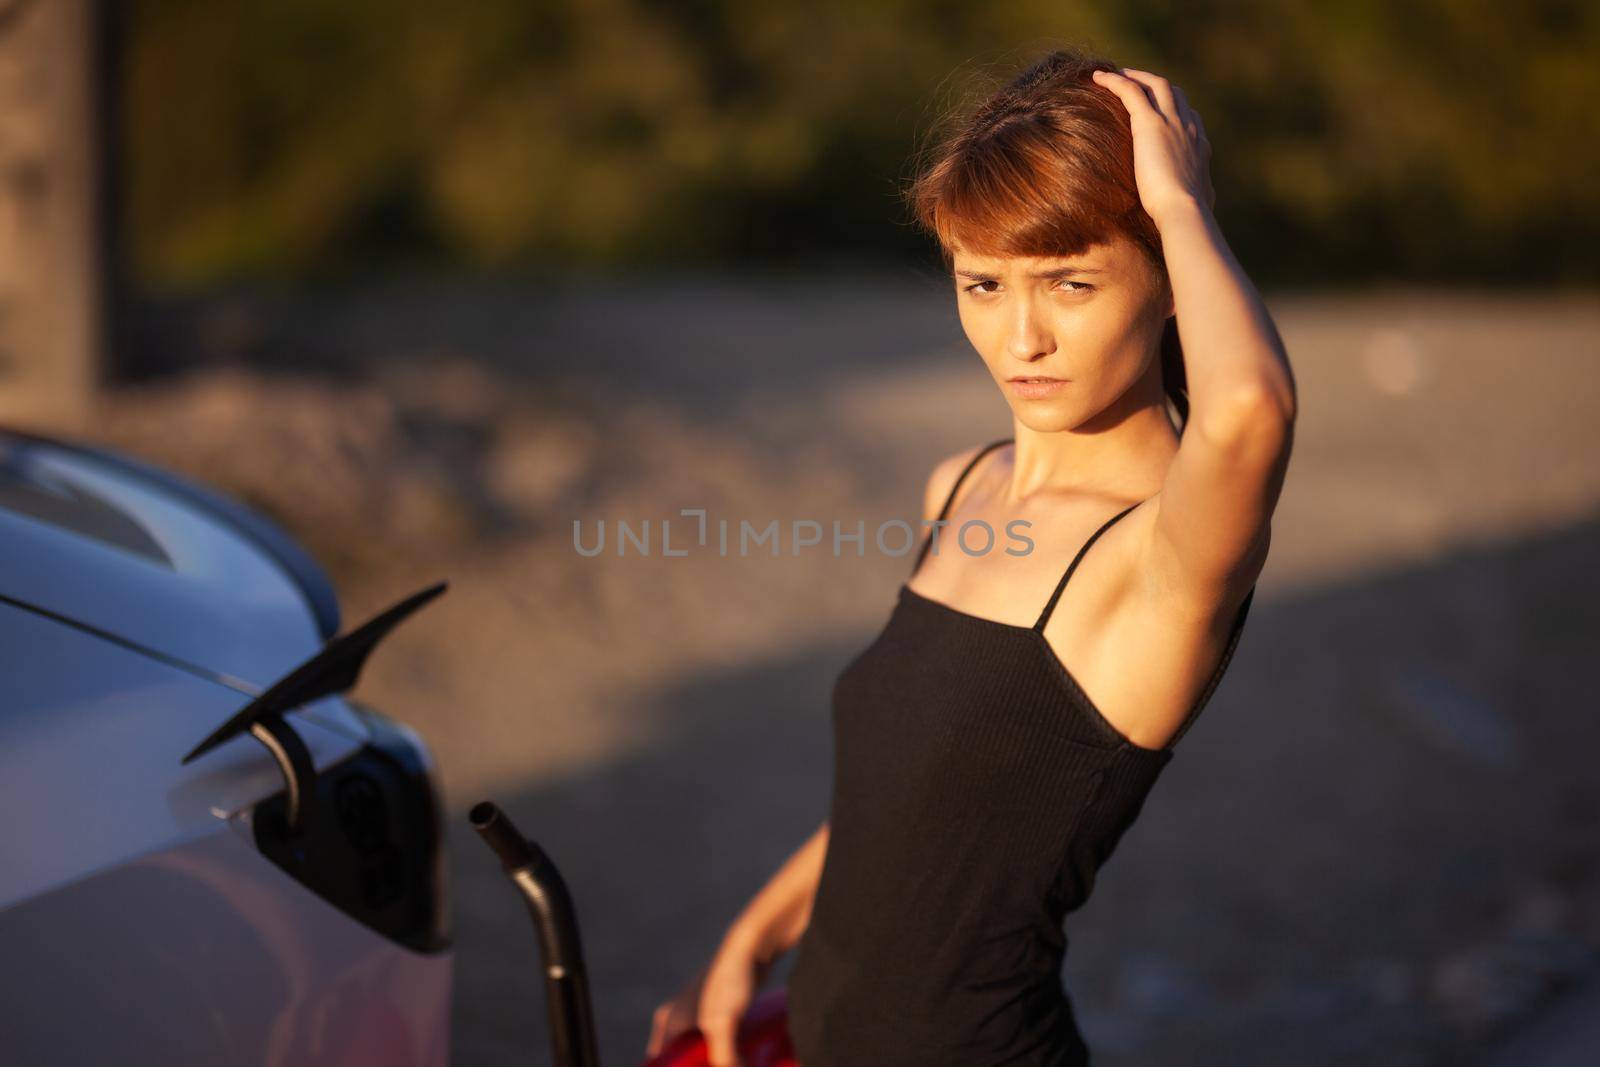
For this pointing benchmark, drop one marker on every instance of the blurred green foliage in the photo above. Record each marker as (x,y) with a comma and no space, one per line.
(1353,140)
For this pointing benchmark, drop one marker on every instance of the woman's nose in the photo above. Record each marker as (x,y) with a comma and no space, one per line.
(1030,337)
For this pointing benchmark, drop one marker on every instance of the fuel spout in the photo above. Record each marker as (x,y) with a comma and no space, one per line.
(555,921)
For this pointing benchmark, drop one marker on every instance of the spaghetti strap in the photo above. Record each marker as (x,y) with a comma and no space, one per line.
(1044,616)
(951,497)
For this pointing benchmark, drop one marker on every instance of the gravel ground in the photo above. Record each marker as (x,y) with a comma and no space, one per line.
(1378,845)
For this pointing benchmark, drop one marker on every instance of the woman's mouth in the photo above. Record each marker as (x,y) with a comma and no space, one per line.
(1035,387)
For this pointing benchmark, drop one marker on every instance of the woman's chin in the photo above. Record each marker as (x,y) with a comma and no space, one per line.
(1043,416)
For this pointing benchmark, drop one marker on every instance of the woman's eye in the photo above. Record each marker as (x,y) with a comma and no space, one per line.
(1077,287)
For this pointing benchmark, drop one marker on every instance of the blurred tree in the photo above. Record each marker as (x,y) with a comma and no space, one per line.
(1358,138)
(51,223)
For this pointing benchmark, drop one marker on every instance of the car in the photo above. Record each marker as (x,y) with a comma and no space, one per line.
(211,853)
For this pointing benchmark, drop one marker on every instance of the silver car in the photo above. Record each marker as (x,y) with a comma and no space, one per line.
(209,855)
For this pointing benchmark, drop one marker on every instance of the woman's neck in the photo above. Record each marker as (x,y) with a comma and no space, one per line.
(1124,459)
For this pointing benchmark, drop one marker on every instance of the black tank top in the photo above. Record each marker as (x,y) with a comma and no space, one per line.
(977,791)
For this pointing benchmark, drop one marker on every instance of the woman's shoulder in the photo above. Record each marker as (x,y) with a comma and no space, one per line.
(943,478)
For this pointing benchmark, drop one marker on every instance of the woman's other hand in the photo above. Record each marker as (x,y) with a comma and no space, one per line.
(714,1002)
(1171,155)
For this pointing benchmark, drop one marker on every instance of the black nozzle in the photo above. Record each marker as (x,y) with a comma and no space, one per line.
(556,923)
(497,832)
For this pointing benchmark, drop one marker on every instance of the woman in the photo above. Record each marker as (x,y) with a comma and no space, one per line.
(996,740)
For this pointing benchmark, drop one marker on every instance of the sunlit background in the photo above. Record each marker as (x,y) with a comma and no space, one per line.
(429,282)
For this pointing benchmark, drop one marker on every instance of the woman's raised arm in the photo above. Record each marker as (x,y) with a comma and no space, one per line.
(1214,510)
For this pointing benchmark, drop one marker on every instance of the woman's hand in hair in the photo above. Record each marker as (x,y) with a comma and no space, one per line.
(1171,155)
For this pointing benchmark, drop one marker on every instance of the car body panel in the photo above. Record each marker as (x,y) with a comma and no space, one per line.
(206,953)
(114,551)
(92,734)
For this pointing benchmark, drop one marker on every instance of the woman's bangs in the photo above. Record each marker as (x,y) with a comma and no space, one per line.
(998,229)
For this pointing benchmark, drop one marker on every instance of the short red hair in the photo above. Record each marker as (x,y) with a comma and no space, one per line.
(1043,167)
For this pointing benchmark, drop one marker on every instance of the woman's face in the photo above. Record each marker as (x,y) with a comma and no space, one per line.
(1088,325)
